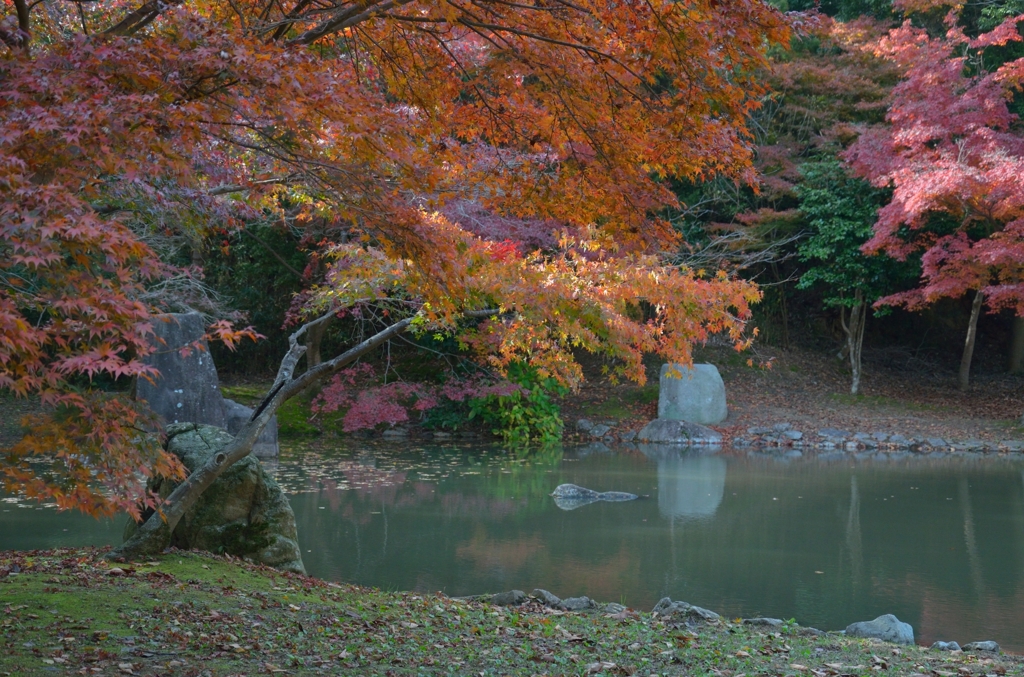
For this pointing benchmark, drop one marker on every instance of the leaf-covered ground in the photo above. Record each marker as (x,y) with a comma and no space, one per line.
(69,612)
(900,393)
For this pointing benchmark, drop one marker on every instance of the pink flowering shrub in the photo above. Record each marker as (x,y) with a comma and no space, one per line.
(369,405)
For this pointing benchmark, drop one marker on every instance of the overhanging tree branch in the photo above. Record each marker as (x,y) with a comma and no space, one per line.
(154,534)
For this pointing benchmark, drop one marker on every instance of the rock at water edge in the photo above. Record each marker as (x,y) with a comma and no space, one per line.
(666,607)
(982,646)
(945,646)
(187,389)
(510,598)
(578,604)
(887,628)
(546,598)
(243,513)
(694,394)
(771,622)
(665,431)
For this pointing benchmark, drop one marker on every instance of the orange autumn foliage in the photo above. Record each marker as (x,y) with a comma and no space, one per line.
(116,118)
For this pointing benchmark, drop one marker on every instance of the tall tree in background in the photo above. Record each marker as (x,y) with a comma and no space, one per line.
(840,212)
(117,118)
(954,162)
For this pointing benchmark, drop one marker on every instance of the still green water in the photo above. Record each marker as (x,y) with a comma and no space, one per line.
(939,543)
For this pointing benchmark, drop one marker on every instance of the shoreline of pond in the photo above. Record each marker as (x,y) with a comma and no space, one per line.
(191,613)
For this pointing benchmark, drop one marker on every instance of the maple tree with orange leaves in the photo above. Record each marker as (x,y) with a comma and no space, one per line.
(119,120)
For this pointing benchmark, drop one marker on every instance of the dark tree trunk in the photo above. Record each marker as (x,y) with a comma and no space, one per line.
(1015,364)
(972,333)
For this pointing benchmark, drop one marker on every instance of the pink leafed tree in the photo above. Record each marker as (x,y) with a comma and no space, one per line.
(954,161)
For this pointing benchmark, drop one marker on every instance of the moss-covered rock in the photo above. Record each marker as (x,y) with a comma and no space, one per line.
(244,513)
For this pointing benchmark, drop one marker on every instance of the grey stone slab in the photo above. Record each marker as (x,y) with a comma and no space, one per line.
(887,628)
(694,394)
(187,389)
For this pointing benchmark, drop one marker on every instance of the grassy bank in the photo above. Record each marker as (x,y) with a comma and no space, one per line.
(68,612)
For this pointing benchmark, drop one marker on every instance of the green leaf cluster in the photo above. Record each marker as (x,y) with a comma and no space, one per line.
(840,211)
(523,416)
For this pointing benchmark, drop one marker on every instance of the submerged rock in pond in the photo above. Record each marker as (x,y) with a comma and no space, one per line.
(571,496)
(887,628)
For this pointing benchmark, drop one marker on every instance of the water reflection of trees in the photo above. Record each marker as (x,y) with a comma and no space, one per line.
(825,543)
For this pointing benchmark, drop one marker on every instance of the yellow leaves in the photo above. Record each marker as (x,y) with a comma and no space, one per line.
(547,305)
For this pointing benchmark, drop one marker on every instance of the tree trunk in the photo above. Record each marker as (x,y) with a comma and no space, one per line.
(1016,362)
(854,331)
(154,535)
(314,337)
(972,332)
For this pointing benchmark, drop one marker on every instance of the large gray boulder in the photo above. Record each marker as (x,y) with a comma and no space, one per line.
(694,394)
(187,389)
(243,513)
(887,628)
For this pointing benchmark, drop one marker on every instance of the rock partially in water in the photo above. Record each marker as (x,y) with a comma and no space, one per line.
(510,598)
(243,513)
(546,598)
(945,646)
(613,608)
(667,608)
(665,431)
(981,646)
(571,496)
(887,628)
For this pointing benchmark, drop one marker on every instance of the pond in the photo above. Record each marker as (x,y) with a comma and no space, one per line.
(827,541)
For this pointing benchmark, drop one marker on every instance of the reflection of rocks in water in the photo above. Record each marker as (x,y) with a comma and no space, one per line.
(592,448)
(690,484)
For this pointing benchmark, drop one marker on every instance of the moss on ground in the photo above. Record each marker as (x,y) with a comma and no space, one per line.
(192,614)
(293,418)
